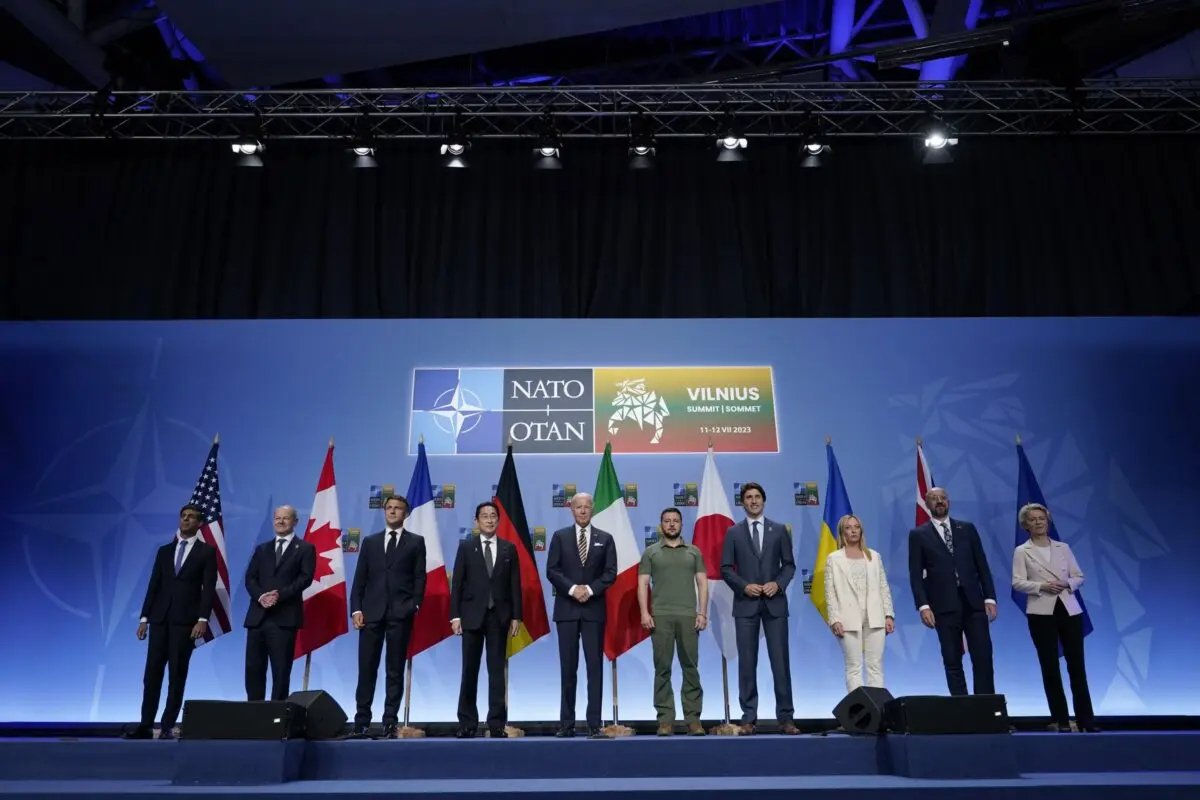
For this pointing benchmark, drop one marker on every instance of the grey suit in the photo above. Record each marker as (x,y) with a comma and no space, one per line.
(743,563)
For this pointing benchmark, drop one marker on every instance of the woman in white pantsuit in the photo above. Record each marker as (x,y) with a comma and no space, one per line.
(859,603)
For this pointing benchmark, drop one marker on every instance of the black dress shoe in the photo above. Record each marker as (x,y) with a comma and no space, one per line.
(390,730)
(361,732)
(139,732)
(597,733)
(166,734)
(464,733)
(565,733)
(1091,727)
(497,733)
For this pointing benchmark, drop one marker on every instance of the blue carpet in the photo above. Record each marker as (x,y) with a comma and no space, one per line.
(1100,786)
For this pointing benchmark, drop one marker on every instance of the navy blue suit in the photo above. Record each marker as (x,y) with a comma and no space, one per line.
(577,621)
(271,632)
(742,563)
(954,586)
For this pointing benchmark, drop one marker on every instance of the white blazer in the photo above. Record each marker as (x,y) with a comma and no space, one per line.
(841,601)
(1029,573)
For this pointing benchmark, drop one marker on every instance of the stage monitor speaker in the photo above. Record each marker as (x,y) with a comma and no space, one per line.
(324,718)
(862,711)
(938,714)
(221,719)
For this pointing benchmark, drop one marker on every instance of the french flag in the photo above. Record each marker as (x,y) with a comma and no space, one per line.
(432,623)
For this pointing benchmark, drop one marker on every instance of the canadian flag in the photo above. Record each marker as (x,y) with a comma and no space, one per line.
(325,611)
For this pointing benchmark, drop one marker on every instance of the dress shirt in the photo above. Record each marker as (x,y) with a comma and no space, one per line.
(587,547)
(941,532)
(491,540)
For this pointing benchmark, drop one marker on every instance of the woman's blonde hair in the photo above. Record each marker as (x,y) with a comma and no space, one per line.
(862,541)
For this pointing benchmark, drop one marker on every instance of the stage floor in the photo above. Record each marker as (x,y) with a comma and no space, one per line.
(1156,765)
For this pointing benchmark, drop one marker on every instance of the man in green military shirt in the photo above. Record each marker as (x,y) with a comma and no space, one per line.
(675,570)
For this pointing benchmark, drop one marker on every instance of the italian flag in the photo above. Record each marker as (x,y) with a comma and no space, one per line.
(624,628)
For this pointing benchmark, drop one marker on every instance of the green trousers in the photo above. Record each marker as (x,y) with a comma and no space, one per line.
(671,632)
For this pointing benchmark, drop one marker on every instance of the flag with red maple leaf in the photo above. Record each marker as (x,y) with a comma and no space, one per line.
(325,611)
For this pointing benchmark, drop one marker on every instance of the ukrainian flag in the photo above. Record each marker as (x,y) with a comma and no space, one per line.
(837,505)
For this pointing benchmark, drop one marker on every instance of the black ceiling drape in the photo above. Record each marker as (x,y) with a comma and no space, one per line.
(1021,226)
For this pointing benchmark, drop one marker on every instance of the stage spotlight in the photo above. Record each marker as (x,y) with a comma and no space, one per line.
(938,140)
(248,151)
(548,153)
(814,153)
(364,156)
(454,150)
(730,147)
(362,143)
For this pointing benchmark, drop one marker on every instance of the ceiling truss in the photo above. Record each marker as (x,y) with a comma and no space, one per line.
(849,109)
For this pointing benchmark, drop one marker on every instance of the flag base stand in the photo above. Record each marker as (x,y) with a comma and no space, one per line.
(616,730)
(726,730)
(410,733)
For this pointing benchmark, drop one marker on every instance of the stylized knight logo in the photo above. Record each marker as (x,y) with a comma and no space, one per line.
(644,407)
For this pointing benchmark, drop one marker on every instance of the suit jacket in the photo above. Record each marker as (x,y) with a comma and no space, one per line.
(184,598)
(291,577)
(563,570)
(935,573)
(389,587)
(1029,573)
(471,587)
(742,565)
(843,603)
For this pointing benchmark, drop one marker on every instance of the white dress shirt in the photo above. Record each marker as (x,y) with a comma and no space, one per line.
(490,541)
(587,546)
(941,532)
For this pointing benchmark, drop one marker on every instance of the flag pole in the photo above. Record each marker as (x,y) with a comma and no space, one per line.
(727,728)
(407,731)
(617,729)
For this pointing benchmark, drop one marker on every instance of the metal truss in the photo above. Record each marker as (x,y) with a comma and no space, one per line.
(849,109)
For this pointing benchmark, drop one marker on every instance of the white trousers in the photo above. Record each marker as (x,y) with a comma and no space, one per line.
(859,647)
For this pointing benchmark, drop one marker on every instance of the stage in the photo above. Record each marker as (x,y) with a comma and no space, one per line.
(1104,765)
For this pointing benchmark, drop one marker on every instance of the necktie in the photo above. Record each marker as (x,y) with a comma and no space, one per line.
(583,545)
(947,537)
(487,555)
(391,547)
(757,537)
(179,555)
(279,545)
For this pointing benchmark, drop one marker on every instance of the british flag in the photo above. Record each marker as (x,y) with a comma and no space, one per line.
(207,497)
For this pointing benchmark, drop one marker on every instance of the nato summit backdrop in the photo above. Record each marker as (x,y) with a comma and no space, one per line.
(105,427)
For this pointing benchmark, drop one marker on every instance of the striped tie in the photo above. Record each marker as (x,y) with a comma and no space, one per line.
(583,545)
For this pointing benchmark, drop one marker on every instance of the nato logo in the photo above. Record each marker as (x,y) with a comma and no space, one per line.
(458,411)
(478,411)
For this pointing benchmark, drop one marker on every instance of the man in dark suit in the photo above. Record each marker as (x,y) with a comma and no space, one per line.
(952,588)
(389,587)
(757,563)
(581,565)
(485,610)
(179,598)
(279,572)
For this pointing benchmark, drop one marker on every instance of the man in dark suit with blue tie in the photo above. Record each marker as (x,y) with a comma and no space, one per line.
(279,572)
(179,598)
(952,588)
(485,610)
(758,564)
(389,587)
(581,565)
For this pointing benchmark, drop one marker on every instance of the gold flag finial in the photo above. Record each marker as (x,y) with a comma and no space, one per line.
(217,438)
(421,438)
(1018,438)
(918,441)
(510,440)
(828,440)
(331,441)
(710,443)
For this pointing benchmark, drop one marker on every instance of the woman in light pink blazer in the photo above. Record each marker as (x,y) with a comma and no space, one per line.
(1046,571)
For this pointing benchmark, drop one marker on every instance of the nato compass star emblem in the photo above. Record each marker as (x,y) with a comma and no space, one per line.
(457,411)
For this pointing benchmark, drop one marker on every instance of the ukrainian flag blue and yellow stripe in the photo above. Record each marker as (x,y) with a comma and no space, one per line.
(837,505)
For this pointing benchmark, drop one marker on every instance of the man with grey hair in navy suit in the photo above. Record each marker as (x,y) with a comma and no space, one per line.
(758,564)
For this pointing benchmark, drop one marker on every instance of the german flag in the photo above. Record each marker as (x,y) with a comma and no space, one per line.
(514,528)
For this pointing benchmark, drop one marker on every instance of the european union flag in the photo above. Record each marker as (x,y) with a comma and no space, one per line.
(1028,491)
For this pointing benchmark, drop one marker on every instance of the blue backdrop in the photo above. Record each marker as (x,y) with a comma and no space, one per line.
(105,427)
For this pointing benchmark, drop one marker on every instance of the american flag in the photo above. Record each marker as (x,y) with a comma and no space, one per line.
(207,497)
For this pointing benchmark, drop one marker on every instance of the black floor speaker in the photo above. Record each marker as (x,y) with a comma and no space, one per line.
(862,711)
(222,719)
(324,718)
(938,714)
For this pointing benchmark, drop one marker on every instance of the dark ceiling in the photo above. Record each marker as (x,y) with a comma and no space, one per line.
(141,46)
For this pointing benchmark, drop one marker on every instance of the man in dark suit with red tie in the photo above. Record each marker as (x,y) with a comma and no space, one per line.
(485,610)
(389,586)
(953,591)
(179,598)
(279,572)
(581,565)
